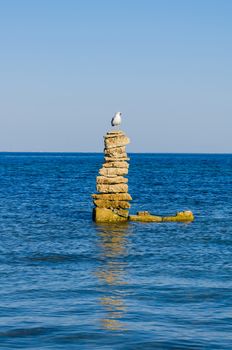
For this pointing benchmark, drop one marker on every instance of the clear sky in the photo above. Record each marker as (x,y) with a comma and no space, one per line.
(67,65)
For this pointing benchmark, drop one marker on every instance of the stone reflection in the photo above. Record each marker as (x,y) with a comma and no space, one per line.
(113,249)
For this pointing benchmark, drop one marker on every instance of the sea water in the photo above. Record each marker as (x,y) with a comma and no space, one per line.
(68,283)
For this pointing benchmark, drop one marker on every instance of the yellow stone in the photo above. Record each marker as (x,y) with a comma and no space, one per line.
(117,164)
(108,215)
(112,204)
(145,218)
(116,159)
(111,180)
(115,152)
(113,171)
(183,216)
(114,188)
(117,141)
(114,133)
(112,196)
(121,212)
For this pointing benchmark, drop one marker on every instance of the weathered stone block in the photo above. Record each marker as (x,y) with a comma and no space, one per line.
(113,171)
(121,212)
(107,215)
(112,196)
(111,204)
(114,133)
(145,218)
(115,188)
(117,141)
(183,216)
(116,159)
(111,180)
(120,164)
(115,152)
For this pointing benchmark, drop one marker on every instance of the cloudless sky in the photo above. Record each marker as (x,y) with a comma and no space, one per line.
(66,66)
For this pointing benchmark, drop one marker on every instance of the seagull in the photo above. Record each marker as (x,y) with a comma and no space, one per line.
(116,120)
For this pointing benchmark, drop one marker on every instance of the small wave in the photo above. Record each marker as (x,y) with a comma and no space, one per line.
(59,258)
(25,332)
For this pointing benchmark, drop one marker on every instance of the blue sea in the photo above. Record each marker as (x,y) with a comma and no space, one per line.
(68,283)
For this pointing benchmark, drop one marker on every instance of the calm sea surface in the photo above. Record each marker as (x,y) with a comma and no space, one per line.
(67,283)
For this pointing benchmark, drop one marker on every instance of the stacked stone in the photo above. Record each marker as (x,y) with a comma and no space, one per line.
(112,199)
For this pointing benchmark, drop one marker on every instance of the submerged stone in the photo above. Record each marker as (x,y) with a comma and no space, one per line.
(145,217)
(183,216)
(107,215)
(180,216)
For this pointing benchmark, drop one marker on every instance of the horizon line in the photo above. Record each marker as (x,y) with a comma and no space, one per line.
(93,152)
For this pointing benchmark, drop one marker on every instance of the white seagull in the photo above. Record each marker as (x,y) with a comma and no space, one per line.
(117,119)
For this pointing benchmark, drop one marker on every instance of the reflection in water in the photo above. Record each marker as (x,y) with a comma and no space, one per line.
(113,245)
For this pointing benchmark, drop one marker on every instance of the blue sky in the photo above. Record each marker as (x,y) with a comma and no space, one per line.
(67,65)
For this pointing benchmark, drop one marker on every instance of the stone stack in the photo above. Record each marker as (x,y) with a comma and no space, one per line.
(112,200)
